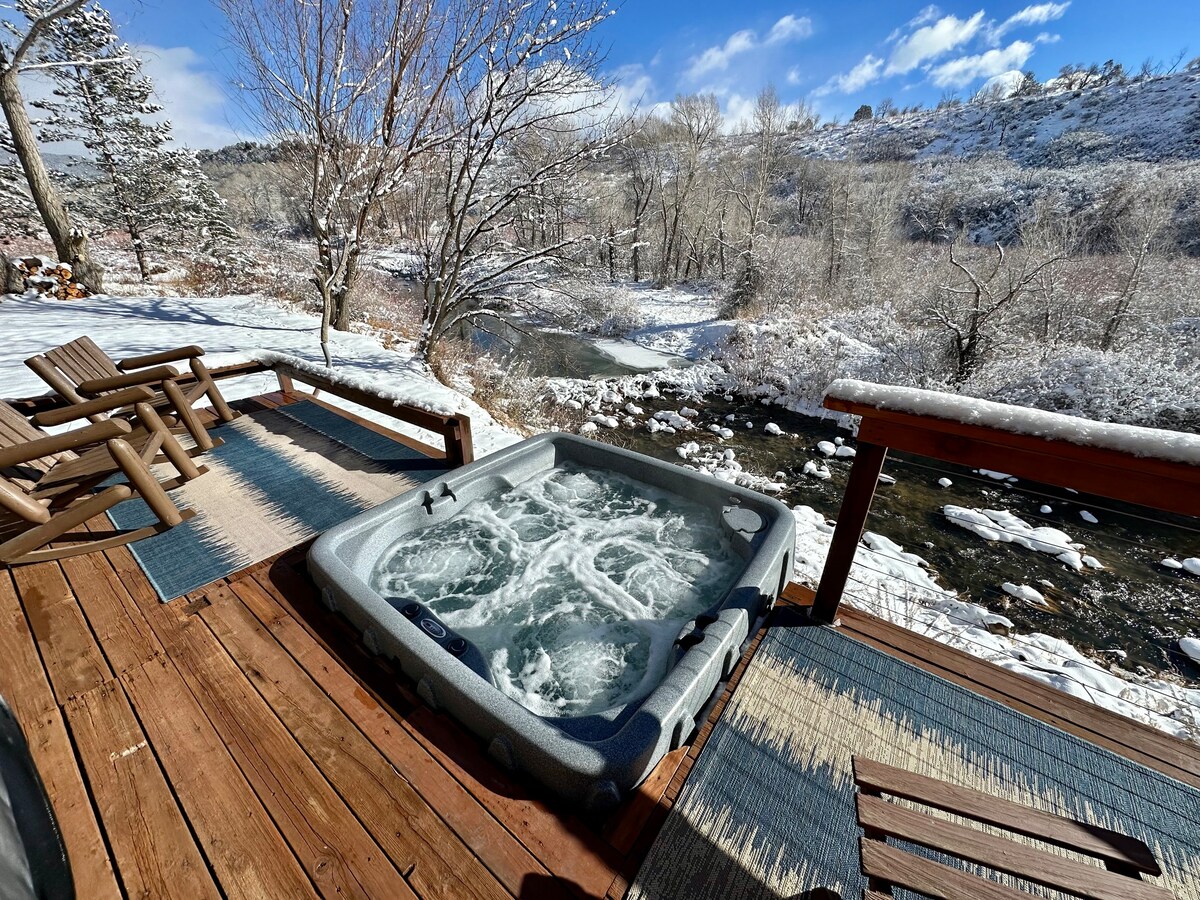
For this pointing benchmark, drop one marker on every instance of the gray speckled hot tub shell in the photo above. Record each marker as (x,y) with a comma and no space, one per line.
(594,759)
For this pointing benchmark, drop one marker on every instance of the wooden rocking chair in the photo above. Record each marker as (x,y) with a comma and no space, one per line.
(46,481)
(80,370)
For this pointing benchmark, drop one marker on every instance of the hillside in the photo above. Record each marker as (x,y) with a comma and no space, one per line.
(1152,120)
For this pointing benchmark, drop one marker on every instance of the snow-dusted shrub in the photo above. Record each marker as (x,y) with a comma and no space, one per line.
(1135,387)
(1072,148)
(612,313)
(793,361)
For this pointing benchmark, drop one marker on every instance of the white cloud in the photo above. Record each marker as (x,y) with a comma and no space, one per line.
(191,98)
(1038,14)
(632,88)
(1047,38)
(739,111)
(962,71)
(931,41)
(793,75)
(856,79)
(790,28)
(717,58)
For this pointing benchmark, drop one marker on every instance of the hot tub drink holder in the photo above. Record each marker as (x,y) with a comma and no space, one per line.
(594,759)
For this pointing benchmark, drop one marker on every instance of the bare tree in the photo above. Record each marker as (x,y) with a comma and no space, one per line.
(528,117)
(749,185)
(973,309)
(694,124)
(1140,233)
(357,89)
(18,53)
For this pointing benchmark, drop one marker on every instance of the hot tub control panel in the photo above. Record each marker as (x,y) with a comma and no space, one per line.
(454,644)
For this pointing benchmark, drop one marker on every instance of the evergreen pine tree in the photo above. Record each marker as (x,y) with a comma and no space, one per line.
(157,194)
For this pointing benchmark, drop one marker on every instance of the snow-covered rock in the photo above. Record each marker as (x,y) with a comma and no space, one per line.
(816,471)
(1088,517)
(1191,647)
(1045,510)
(945,482)
(845,452)
(826,448)
(1192,565)
(1023,592)
(1170,563)
(772,429)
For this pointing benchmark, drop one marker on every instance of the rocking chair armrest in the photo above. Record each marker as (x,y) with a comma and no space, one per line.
(102,404)
(116,382)
(157,359)
(59,443)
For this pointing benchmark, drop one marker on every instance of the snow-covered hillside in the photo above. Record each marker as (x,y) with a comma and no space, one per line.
(231,329)
(1154,120)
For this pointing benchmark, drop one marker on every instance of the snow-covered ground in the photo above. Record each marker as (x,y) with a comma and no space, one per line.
(230,329)
(675,321)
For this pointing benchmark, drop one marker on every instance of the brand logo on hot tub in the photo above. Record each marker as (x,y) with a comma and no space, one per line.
(433,628)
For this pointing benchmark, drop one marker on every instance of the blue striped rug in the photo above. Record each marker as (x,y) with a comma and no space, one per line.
(768,809)
(282,476)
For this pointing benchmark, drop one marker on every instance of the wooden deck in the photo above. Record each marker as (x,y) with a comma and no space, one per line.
(241,742)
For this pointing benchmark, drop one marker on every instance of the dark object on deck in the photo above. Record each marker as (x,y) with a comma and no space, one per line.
(887,865)
(80,370)
(36,864)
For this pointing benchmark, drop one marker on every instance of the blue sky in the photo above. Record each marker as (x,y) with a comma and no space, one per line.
(834,55)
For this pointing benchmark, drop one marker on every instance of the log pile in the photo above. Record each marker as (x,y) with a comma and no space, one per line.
(50,279)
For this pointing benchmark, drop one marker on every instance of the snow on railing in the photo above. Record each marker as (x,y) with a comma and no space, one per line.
(1147,443)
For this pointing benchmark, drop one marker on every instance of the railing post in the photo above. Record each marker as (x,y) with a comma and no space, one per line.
(285,381)
(460,448)
(852,519)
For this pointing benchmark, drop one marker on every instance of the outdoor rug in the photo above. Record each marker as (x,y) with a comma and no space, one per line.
(768,809)
(282,476)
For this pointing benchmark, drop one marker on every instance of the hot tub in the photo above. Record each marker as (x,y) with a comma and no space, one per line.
(573,604)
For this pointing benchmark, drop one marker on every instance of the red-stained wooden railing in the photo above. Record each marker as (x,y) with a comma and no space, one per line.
(1158,484)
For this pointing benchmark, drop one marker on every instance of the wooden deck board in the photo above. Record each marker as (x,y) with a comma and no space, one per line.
(274,756)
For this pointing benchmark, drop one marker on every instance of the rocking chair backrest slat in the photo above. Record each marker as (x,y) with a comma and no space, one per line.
(82,360)
(15,430)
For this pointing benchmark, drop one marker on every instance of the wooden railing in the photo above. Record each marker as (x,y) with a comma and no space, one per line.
(1116,474)
(455,430)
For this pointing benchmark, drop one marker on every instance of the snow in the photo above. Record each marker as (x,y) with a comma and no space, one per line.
(1004,527)
(825,448)
(1045,510)
(1170,563)
(772,428)
(1190,646)
(636,356)
(1192,565)
(233,329)
(888,582)
(945,482)
(1150,443)
(1088,517)
(1023,592)
(844,452)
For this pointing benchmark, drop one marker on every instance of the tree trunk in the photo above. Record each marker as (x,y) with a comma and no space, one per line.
(70,242)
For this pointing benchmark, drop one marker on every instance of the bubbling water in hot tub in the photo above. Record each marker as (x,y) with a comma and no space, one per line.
(573,584)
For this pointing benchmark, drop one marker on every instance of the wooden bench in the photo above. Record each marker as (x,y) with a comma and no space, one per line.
(1124,859)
